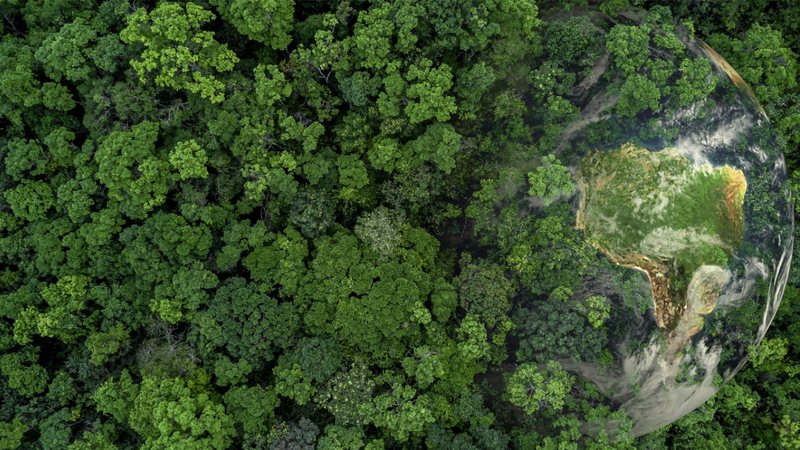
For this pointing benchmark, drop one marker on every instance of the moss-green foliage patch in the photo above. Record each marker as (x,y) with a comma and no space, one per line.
(660,205)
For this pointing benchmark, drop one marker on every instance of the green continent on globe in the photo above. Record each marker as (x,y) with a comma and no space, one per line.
(676,221)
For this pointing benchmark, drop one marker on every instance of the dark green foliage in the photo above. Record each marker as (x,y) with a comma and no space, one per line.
(340,224)
(762,58)
(244,323)
(312,213)
(545,253)
(484,290)
(572,42)
(250,16)
(551,328)
(23,373)
(252,409)
(295,436)
(638,94)
(64,54)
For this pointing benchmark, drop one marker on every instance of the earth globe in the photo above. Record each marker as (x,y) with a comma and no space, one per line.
(680,186)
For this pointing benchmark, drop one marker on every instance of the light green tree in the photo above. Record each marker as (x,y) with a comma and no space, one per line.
(533,388)
(696,80)
(252,408)
(177,53)
(170,416)
(597,310)
(189,159)
(638,93)
(128,166)
(550,181)
(428,88)
(630,47)
(11,434)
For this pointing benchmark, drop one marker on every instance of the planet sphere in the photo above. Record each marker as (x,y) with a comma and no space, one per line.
(680,187)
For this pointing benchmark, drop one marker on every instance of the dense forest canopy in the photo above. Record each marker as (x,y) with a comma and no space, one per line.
(290,225)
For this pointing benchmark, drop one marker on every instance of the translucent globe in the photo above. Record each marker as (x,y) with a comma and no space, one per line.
(690,200)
